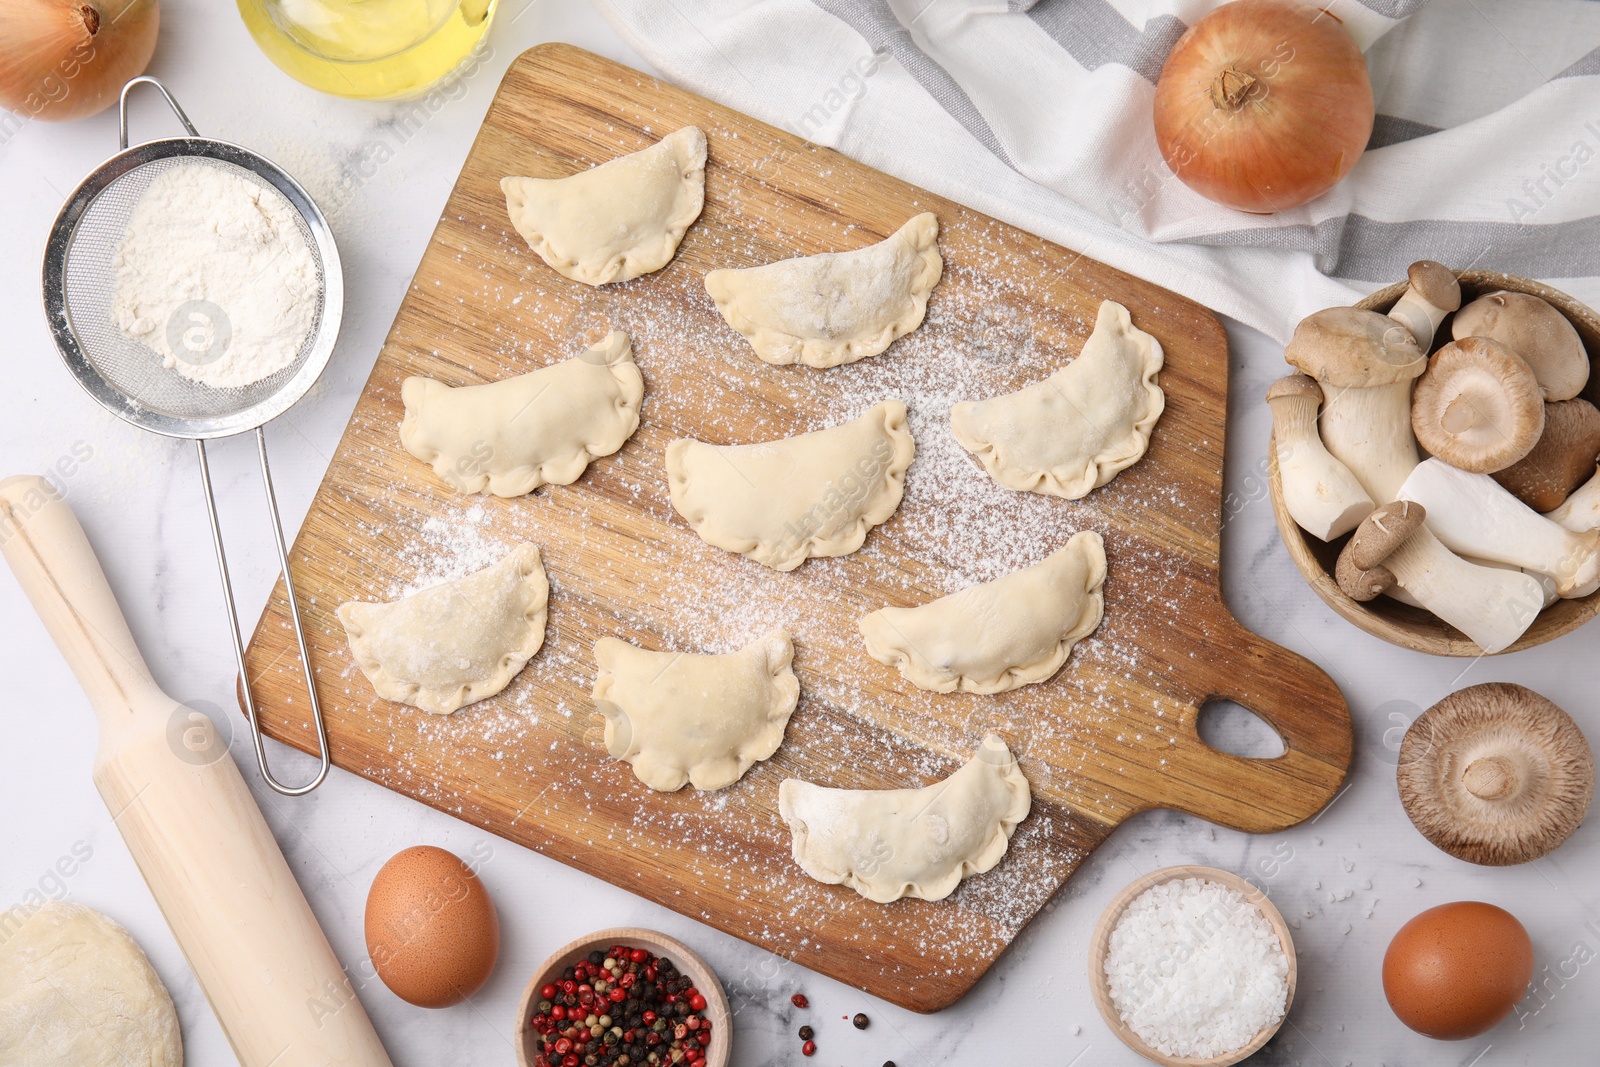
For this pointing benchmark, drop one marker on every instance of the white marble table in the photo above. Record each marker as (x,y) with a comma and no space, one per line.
(1347,880)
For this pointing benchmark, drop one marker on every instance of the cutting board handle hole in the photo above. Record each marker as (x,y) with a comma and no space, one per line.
(1238,731)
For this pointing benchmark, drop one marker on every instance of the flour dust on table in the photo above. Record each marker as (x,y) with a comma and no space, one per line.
(214,274)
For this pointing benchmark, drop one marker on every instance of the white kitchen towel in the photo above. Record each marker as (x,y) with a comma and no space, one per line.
(1038,112)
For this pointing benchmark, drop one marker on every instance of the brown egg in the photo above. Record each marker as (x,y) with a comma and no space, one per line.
(1456,970)
(431,928)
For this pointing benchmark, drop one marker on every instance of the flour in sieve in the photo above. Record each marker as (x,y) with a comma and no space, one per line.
(215,275)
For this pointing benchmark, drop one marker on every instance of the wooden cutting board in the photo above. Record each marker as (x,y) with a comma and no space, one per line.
(1113,734)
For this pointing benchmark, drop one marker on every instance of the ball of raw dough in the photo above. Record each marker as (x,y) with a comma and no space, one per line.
(79,992)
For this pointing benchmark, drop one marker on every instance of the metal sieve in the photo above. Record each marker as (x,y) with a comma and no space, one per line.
(128,379)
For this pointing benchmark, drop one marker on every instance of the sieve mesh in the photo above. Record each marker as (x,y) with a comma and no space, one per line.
(131,367)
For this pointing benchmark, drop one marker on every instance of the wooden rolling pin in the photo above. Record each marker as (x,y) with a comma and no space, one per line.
(187,816)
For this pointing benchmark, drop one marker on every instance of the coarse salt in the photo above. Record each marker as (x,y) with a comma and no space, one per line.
(1195,969)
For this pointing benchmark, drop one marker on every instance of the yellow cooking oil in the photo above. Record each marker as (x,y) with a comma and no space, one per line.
(368,49)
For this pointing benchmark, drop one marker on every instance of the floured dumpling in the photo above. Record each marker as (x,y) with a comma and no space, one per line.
(781,502)
(836,307)
(1079,427)
(455,642)
(616,221)
(510,437)
(892,843)
(678,717)
(994,637)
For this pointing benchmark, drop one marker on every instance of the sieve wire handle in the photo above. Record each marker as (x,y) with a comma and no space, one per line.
(249,699)
(122,110)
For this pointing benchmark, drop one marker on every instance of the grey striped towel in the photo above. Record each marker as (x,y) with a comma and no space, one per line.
(1038,112)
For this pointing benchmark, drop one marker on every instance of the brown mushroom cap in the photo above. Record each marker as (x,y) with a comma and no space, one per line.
(1297,386)
(1534,330)
(1382,532)
(1563,459)
(1435,283)
(1495,774)
(1478,407)
(1360,571)
(1351,348)
(1361,585)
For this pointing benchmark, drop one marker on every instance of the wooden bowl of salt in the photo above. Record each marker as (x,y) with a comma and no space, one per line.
(1100,945)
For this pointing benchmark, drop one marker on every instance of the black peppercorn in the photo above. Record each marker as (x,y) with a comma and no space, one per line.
(860,1021)
(806,1033)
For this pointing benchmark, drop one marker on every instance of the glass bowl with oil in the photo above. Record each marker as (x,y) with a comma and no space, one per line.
(368,49)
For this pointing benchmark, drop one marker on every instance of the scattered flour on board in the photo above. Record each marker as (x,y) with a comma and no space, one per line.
(214,274)
(664,588)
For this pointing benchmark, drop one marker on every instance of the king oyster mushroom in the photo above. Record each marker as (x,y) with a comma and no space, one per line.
(1365,363)
(1478,406)
(1432,293)
(1581,510)
(1322,496)
(1534,330)
(1563,457)
(1475,517)
(1495,774)
(1492,606)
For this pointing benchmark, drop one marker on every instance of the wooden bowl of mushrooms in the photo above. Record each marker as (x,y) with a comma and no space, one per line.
(1433,465)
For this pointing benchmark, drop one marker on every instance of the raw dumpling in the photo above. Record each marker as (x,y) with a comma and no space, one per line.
(1007,633)
(512,436)
(679,717)
(1079,427)
(453,643)
(781,502)
(837,307)
(618,220)
(892,843)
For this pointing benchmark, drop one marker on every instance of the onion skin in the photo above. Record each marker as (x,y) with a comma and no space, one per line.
(1263,105)
(66,59)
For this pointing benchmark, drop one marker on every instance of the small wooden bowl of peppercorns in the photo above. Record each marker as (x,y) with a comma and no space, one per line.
(621,993)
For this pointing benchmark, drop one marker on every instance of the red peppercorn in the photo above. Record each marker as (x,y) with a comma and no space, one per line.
(638,955)
(569,986)
(564,1045)
(649,1017)
(547,992)
(558,1012)
(617,996)
(697,1002)
(808,1049)
(704,1036)
(799,1000)
(570,1060)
